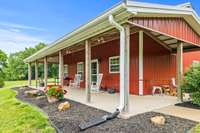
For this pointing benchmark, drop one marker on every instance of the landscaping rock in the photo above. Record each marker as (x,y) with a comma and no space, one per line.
(52,99)
(31,93)
(40,97)
(64,106)
(158,120)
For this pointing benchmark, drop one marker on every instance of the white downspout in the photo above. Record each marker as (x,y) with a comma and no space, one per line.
(122,61)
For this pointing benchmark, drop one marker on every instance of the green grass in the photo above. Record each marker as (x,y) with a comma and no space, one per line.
(19,117)
(197,129)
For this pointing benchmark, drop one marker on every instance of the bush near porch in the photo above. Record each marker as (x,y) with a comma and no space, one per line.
(191,83)
(20,117)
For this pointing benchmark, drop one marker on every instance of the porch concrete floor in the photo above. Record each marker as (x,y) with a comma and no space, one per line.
(109,102)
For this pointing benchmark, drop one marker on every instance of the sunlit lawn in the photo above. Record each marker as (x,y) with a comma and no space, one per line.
(19,117)
(197,129)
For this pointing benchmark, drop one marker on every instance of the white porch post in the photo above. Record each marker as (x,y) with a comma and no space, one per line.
(179,69)
(61,68)
(29,74)
(45,71)
(36,74)
(127,68)
(141,41)
(88,70)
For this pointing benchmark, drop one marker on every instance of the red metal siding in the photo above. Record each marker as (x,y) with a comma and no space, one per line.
(176,27)
(189,57)
(158,63)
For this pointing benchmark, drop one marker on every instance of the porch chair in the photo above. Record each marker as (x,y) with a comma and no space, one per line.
(173,91)
(174,82)
(95,86)
(76,82)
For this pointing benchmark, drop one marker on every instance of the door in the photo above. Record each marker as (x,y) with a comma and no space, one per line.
(94,70)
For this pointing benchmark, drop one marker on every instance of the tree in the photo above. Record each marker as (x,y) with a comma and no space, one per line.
(16,69)
(3,59)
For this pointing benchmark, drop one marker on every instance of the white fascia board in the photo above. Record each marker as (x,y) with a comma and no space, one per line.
(155,6)
(75,37)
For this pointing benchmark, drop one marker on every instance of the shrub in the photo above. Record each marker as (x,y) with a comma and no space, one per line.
(191,83)
(56,91)
(1,83)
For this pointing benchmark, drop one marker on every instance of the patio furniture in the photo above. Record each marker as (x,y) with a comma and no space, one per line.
(166,89)
(173,90)
(76,82)
(157,88)
(95,86)
(174,82)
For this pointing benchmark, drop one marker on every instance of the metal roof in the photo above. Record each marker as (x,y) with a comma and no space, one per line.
(122,12)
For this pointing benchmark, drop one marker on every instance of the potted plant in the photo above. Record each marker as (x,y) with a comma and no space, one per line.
(55,93)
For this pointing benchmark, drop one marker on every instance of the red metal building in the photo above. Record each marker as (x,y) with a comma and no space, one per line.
(134,45)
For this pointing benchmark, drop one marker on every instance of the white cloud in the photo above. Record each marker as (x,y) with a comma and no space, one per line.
(20,26)
(13,40)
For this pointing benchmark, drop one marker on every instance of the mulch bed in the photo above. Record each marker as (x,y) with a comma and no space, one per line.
(188,104)
(69,120)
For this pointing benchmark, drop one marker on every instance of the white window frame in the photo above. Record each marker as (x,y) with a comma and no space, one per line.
(64,72)
(82,76)
(110,58)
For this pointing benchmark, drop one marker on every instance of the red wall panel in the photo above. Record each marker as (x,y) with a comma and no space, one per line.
(189,57)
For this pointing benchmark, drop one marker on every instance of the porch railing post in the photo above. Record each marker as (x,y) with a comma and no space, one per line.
(36,74)
(127,67)
(61,68)
(141,41)
(29,74)
(45,71)
(88,70)
(179,69)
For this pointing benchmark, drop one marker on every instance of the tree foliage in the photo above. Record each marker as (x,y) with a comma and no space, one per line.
(3,59)
(16,69)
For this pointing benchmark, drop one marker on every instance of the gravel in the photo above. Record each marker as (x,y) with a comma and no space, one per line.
(69,120)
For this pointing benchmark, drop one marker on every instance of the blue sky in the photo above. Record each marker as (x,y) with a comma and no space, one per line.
(24,23)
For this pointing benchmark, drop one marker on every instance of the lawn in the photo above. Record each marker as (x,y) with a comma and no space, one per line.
(20,117)
(197,129)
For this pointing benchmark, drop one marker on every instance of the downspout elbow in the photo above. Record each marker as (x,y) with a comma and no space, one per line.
(115,24)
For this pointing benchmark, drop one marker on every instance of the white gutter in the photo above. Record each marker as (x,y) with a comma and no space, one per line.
(122,61)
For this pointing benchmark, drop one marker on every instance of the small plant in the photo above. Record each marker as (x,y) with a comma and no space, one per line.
(56,91)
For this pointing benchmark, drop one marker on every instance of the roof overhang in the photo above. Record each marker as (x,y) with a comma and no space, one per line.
(122,12)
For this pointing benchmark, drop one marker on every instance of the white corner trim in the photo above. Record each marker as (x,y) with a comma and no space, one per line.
(141,45)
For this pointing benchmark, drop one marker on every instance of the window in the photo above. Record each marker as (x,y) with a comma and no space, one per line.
(66,71)
(80,69)
(114,64)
